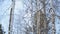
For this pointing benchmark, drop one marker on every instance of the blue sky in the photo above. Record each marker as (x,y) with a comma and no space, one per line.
(5,10)
(4,13)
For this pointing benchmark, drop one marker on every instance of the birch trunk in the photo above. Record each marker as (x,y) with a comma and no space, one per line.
(11,17)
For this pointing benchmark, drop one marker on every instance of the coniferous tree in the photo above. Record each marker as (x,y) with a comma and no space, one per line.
(1,31)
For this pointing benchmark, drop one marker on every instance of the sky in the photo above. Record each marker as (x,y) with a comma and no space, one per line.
(5,11)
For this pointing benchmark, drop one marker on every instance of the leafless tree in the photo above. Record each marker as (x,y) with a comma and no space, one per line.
(11,17)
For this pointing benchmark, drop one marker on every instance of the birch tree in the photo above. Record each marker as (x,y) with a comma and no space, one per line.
(11,17)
